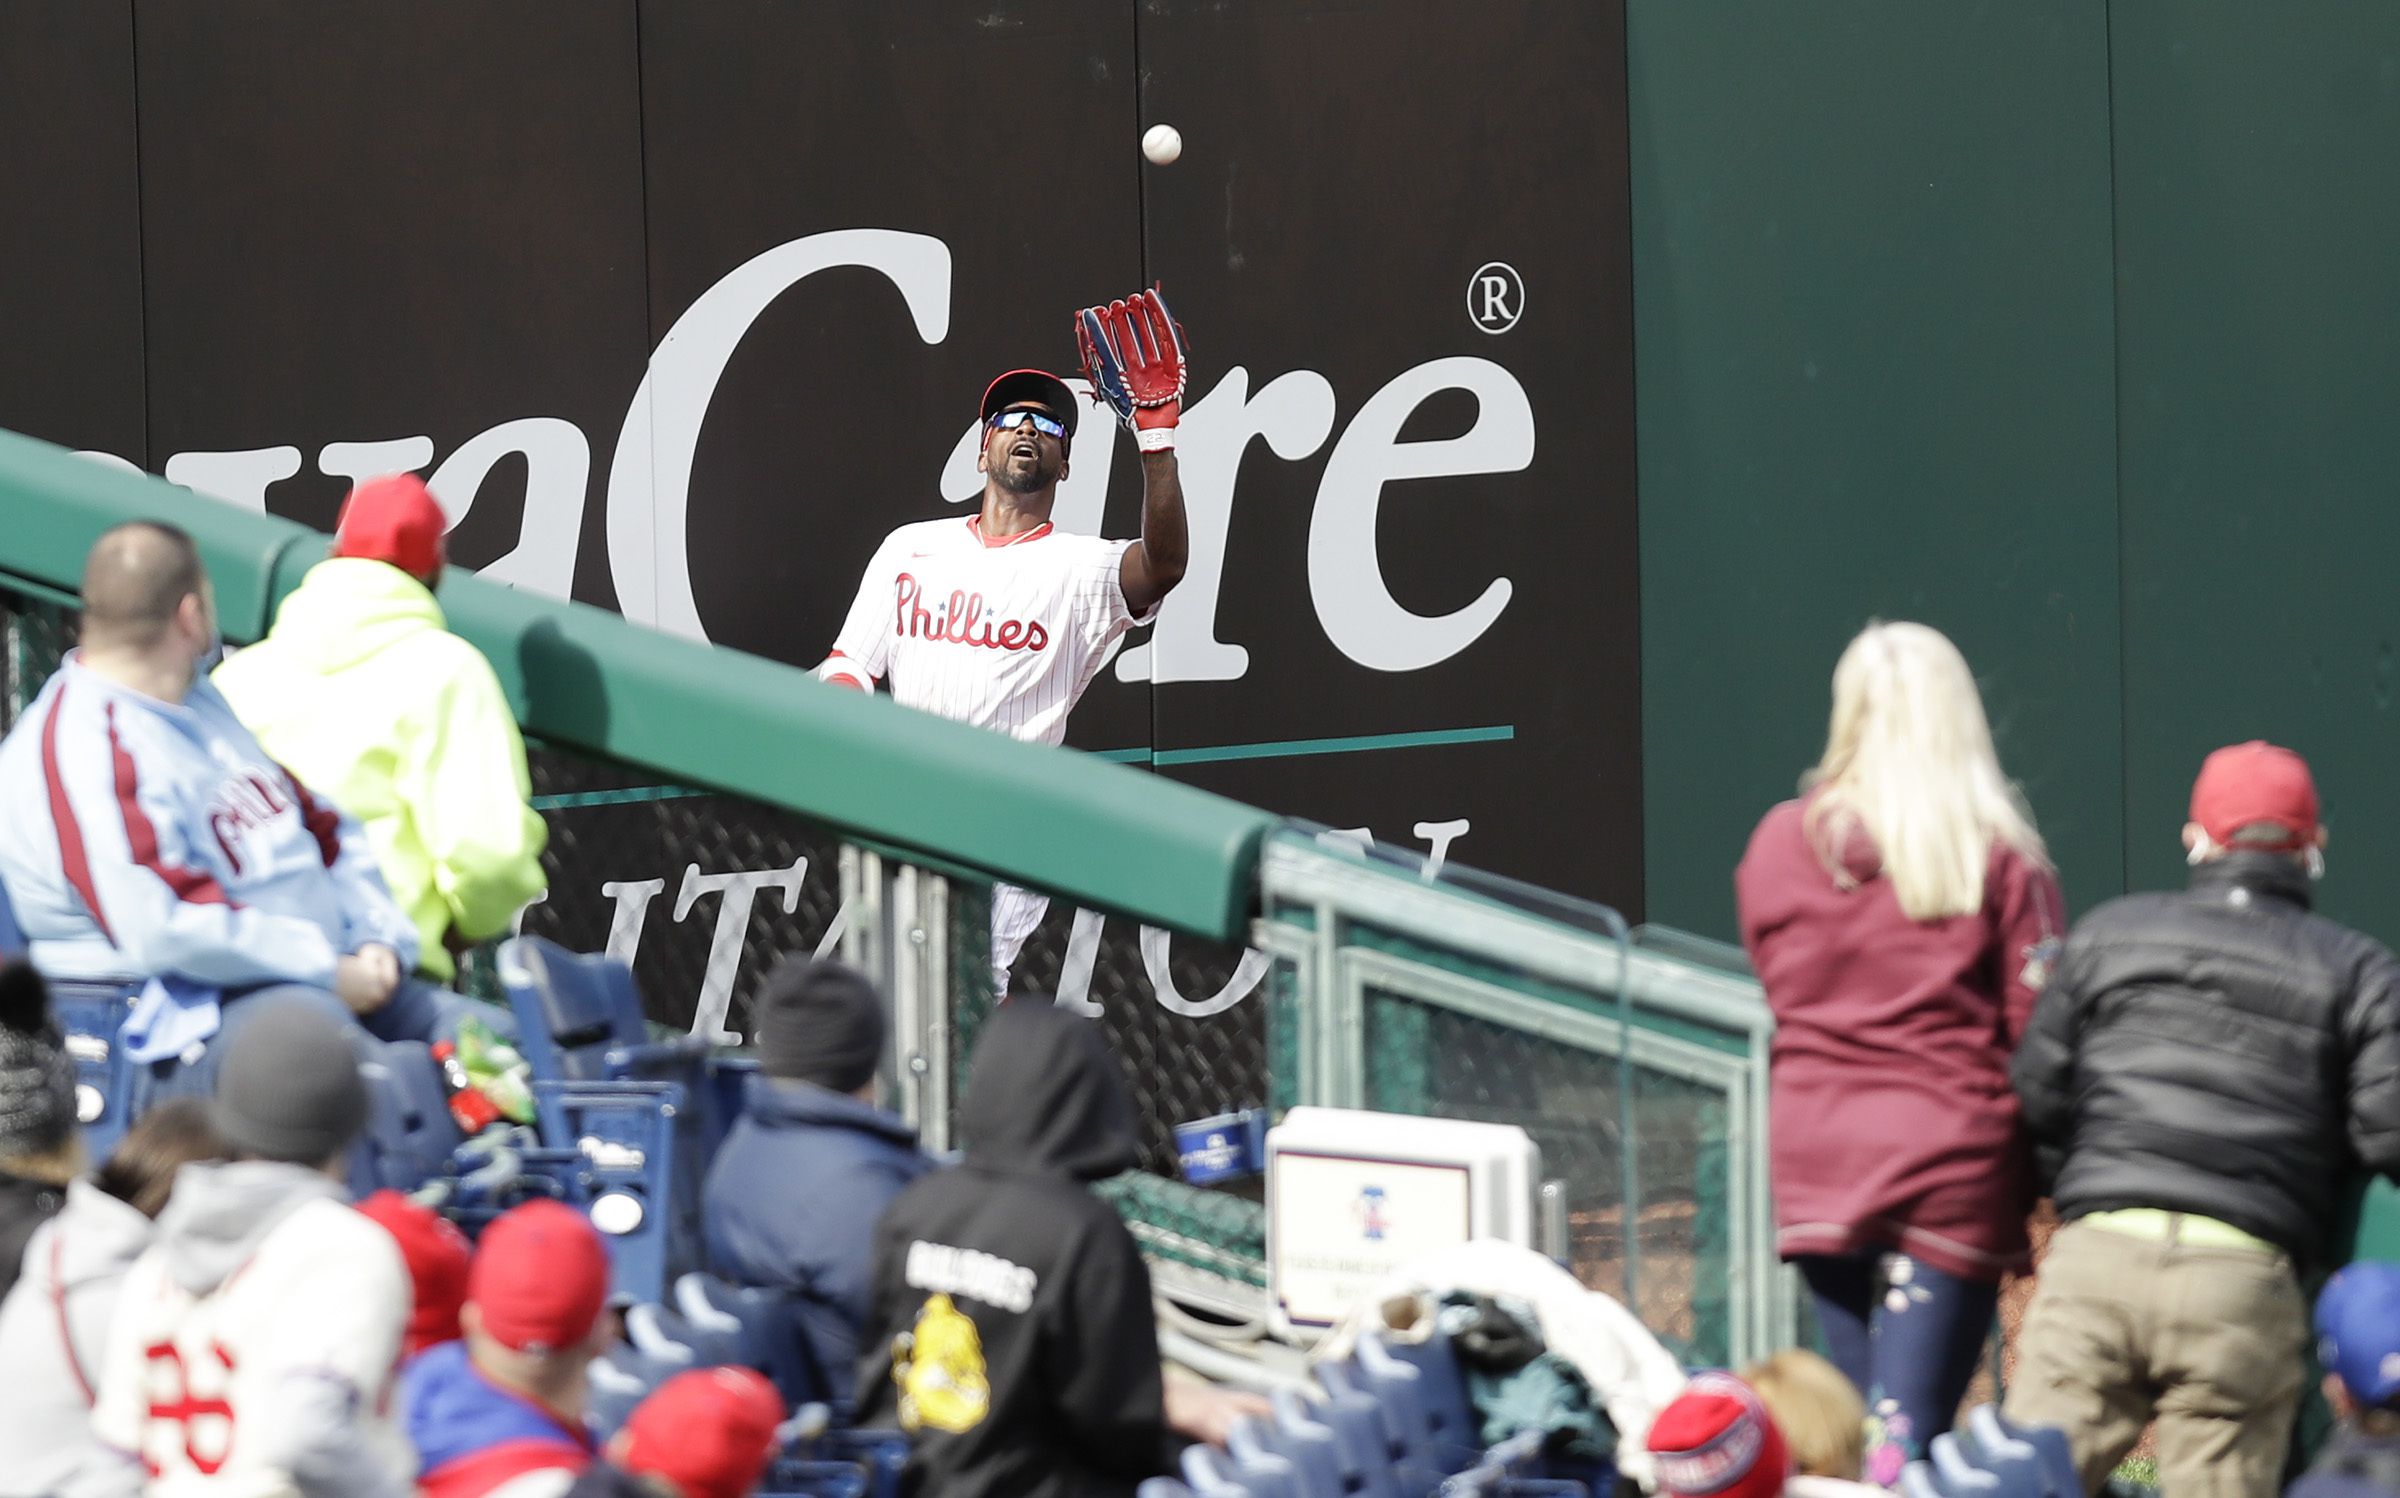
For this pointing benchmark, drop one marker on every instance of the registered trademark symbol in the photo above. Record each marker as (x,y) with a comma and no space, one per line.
(1495,296)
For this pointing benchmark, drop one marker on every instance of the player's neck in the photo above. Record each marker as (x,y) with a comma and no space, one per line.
(1006,513)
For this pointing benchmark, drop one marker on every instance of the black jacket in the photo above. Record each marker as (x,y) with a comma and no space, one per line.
(2220,1051)
(1011,1331)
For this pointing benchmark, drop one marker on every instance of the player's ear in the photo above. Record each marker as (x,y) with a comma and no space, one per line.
(1064,468)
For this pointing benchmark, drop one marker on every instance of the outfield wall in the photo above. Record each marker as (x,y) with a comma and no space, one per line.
(2065,327)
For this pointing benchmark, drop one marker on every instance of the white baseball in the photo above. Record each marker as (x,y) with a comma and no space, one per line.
(1162,144)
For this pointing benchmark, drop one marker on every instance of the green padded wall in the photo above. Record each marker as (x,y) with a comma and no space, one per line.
(2258,275)
(1872,343)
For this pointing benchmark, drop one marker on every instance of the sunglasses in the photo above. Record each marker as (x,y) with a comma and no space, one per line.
(1048,426)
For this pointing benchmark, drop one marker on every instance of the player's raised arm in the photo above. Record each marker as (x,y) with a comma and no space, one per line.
(1133,354)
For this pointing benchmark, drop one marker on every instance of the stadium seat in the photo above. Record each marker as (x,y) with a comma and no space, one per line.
(807,1479)
(616,1383)
(1421,1385)
(1356,1425)
(1990,1458)
(1213,1474)
(1394,1427)
(579,1017)
(770,1337)
(410,1138)
(2027,1459)
(668,1339)
(89,1016)
(880,1454)
(1308,1446)
(624,1141)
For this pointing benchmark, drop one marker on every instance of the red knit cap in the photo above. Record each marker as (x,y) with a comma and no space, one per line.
(393,519)
(709,1431)
(1716,1440)
(437,1255)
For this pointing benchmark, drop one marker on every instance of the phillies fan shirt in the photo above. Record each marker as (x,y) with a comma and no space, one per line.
(1003,632)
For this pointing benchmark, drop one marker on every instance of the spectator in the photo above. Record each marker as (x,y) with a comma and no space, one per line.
(501,1413)
(1822,1418)
(706,1433)
(1010,1332)
(438,1256)
(1902,916)
(149,837)
(2358,1342)
(255,1349)
(810,1125)
(1717,1440)
(2202,1079)
(40,1148)
(364,693)
(54,1327)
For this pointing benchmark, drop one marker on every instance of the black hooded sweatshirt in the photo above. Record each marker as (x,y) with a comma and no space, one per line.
(1011,1331)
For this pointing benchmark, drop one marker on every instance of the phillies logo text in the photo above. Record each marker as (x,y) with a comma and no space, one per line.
(244,800)
(959,620)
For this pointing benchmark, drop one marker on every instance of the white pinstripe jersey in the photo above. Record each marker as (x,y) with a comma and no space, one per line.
(1001,633)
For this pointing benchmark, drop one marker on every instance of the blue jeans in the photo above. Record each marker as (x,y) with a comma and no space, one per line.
(416,1011)
(1909,1336)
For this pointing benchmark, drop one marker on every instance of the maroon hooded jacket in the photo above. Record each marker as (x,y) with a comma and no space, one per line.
(1891,1122)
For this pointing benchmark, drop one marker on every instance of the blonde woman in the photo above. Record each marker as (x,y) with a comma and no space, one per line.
(1902,915)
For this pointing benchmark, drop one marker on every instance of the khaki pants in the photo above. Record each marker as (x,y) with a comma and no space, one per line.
(2209,1340)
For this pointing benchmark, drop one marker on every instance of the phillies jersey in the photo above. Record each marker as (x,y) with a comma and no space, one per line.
(1002,632)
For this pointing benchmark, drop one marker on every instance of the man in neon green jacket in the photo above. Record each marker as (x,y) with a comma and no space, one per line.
(361,691)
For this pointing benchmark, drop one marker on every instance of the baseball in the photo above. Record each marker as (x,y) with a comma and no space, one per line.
(1162,144)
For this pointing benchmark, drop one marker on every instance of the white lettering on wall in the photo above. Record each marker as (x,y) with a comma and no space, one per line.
(1345,575)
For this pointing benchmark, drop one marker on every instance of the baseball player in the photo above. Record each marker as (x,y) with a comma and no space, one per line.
(998,619)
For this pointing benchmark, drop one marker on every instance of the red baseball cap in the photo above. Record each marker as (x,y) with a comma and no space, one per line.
(437,1255)
(709,1431)
(540,1277)
(1716,1440)
(393,519)
(2256,784)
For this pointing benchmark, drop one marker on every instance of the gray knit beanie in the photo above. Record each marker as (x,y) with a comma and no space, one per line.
(37,1080)
(288,1086)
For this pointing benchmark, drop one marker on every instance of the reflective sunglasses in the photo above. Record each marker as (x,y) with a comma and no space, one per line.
(1048,426)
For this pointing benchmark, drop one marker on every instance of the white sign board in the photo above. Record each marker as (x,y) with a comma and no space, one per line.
(1353,1197)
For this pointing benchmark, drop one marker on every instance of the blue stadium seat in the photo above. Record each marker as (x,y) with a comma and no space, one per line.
(1308,1446)
(616,1383)
(89,1016)
(1420,1383)
(410,1137)
(2026,1458)
(668,1339)
(1390,1426)
(771,1338)
(1990,1458)
(1213,1474)
(625,1143)
(1356,1424)
(806,1479)
(881,1454)
(579,1017)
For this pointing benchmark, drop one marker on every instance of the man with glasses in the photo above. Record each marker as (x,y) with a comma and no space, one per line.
(998,619)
